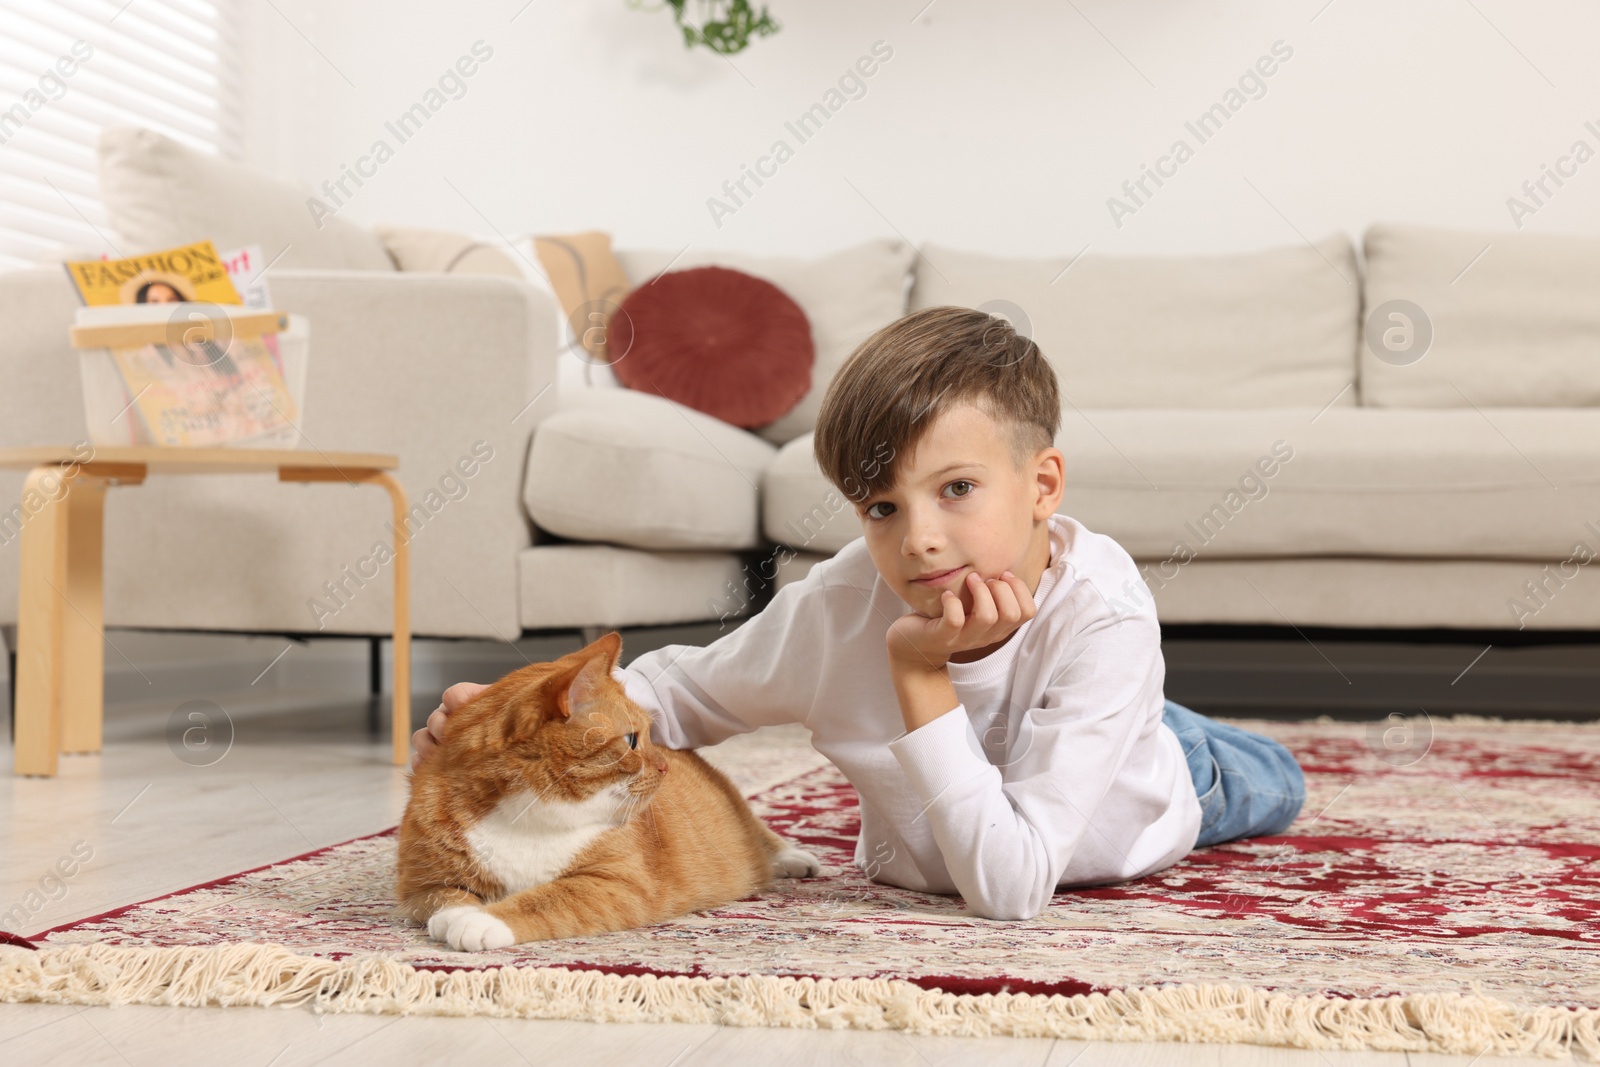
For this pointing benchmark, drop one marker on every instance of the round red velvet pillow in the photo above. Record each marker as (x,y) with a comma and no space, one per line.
(717,340)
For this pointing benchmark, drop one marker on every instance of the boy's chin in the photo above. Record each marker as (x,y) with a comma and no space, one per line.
(929,601)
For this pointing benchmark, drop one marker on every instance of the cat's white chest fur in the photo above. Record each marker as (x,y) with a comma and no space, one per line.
(528,840)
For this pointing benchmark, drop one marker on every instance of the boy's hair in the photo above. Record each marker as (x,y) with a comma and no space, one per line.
(901,378)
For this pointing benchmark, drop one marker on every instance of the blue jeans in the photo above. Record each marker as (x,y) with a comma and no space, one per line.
(1248,785)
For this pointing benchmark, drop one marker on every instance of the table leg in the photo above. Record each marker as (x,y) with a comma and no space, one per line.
(83,654)
(400,722)
(40,608)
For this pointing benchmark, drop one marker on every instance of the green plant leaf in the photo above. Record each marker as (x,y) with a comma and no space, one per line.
(728,34)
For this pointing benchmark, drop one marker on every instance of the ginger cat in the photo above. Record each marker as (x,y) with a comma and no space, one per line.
(548,812)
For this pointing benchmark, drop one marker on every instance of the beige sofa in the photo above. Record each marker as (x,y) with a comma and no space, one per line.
(1228,422)
(1225,421)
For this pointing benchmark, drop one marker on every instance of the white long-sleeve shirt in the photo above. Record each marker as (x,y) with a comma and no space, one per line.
(1055,768)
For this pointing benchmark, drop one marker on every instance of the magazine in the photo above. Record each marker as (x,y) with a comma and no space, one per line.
(205,385)
(193,272)
(245,266)
(200,395)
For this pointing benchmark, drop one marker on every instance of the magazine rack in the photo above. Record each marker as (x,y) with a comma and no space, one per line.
(107,401)
(60,659)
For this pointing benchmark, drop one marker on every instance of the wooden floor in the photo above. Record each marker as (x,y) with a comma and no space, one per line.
(302,773)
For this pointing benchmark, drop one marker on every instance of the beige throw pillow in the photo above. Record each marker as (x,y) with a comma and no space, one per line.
(588,281)
(159,194)
(443,252)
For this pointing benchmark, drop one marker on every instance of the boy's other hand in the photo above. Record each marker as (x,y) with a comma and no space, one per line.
(427,739)
(999,606)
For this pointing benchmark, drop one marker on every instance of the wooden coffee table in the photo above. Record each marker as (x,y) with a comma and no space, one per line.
(60,621)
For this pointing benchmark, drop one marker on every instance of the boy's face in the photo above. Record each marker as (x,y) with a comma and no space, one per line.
(960,505)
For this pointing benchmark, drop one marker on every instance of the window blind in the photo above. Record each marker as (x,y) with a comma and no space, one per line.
(69,68)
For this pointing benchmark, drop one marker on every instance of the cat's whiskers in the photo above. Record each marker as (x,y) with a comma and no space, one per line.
(537,797)
(634,804)
(655,827)
(623,801)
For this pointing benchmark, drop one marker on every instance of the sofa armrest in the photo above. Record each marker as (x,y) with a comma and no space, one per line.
(425,366)
(397,354)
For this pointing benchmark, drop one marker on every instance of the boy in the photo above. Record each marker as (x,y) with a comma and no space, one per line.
(960,662)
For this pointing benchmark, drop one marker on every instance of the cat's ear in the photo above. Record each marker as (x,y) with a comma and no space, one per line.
(607,646)
(584,688)
(597,660)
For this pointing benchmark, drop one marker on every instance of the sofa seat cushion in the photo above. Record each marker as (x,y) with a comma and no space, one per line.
(1180,484)
(1440,483)
(562,586)
(1275,328)
(1514,319)
(802,509)
(639,470)
(847,296)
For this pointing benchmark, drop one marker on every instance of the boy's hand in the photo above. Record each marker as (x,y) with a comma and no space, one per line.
(427,739)
(999,606)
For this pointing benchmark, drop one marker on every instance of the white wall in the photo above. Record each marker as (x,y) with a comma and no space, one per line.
(1002,128)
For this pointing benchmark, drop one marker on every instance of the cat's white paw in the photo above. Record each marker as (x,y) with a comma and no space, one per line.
(796,863)
(469,929)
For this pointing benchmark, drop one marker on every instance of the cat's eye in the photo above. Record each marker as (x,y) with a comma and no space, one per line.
(632,739)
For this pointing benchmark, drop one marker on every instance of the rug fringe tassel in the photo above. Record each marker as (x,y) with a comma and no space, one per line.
(263,975)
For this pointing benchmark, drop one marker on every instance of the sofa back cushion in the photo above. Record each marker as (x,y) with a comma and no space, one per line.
(847,296)
(1514,318)
(159,194)
(1275,328)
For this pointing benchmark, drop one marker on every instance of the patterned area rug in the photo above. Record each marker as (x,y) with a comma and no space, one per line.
(1439,892)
